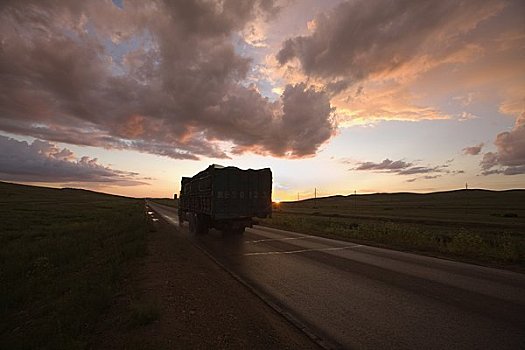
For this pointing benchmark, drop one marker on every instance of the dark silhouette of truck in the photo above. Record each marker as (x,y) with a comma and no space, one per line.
(225,198)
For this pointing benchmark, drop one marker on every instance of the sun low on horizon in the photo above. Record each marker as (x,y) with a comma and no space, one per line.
(335,97)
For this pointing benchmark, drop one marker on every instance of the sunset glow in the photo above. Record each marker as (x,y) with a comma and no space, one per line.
(127,97)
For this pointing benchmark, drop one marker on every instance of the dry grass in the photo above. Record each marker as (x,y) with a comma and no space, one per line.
(492,231)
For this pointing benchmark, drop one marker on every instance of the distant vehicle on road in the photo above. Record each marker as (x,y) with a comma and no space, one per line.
(225,198)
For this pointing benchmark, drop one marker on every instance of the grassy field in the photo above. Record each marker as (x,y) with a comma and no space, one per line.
(472,206)
(62,257)
(475,225)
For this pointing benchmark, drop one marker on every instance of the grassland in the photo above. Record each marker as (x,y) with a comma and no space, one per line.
(62,258)
(479,226)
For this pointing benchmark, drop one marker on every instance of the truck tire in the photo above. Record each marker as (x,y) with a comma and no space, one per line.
(192,223)
(238,230)
(202,224)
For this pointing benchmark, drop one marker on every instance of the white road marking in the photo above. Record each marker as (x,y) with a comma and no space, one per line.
(303,250)
(277,239)
(173,220)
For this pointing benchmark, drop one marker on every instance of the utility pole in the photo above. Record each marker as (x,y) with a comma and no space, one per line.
(466,198)
(315,197)
(355,199)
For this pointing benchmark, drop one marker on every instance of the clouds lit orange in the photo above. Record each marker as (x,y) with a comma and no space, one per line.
(128,96)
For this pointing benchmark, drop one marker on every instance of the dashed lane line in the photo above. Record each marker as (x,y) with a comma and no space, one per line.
(303,250)
(276,239)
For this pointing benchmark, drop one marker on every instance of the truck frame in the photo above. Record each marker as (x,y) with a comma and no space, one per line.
(225,198)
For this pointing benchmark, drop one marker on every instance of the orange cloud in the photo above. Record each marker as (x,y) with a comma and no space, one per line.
(133,126)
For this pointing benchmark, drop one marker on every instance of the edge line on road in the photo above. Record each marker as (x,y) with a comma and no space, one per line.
(276,239)
(303,250)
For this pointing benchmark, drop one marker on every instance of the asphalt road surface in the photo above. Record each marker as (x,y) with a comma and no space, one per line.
(357,296)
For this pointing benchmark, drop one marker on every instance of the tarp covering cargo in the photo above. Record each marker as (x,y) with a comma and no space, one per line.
(228,192)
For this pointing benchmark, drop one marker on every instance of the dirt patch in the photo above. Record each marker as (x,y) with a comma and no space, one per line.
(177,298)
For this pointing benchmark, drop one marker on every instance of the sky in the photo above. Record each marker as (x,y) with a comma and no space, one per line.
(126,97)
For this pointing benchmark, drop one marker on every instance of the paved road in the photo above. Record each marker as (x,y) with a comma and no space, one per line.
(370,298)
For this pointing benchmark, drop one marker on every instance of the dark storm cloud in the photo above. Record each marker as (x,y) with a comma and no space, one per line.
(304,121)
(41,161)
(509,159)
(158,77)
(361,38)
(473,150)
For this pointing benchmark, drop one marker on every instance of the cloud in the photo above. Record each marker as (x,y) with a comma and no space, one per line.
(473,150)
(464,116)
(401,167)
(426,177)
(358,39)
(509,159)
(386,164)
(420,170)
(302,124)
(406,55)
(41,161)
(162,77)
(363,104)
(465,100)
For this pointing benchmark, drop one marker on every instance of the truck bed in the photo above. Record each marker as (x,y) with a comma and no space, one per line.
(228,192)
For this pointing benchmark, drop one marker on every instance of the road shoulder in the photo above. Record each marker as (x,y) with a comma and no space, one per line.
(179,298)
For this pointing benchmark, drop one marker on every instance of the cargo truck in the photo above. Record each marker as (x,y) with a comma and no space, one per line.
(225,198)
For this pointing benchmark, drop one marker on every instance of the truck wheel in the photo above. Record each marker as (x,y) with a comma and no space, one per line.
(238,230)
(191,222)
(202,225)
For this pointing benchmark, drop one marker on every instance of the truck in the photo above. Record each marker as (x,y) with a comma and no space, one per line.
(225,198)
